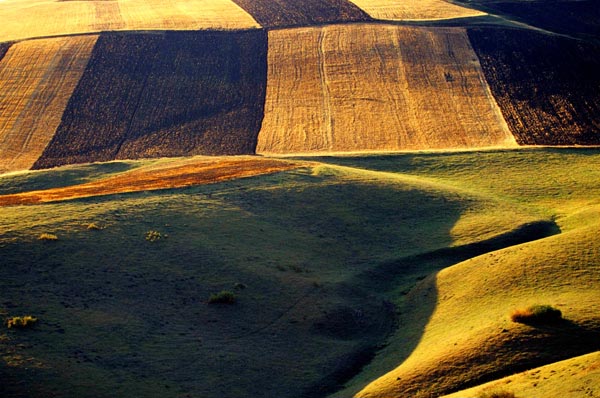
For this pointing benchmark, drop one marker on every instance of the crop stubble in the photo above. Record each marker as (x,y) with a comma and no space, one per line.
(21,18)
(376,87)
(287,13)
(548,87)
(177,93)
(414,10)
(36,80)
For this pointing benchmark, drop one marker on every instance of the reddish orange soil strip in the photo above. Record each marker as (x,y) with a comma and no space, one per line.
(181,174)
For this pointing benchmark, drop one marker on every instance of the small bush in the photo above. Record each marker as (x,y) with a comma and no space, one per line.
(21,322)
(536,314)
(223,297)
(47,237)
(153,236)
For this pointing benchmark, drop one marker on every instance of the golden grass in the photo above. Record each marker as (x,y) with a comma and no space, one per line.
(161,175)
(470,333)
(37,78)
(412,10)
(376,88)
(22,19)
(580,374)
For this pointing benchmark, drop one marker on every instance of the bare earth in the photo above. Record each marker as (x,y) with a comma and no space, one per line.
(173,174)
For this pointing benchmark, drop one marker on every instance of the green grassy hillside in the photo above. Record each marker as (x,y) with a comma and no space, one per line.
(322,261)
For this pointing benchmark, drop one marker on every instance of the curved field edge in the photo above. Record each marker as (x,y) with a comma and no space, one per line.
(21,18)
(581,374)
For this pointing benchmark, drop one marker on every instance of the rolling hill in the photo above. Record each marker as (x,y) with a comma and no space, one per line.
(375,186)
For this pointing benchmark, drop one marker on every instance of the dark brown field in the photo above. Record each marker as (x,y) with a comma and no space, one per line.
(3,49)
(279,13)
(165,94)
(548,87)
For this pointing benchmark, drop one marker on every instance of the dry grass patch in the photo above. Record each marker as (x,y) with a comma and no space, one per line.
(412,10)
(37,79)
(537,314)
(376,88)
(163,175)
(30,18)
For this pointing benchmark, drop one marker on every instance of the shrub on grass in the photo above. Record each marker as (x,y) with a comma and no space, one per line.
(153,236)
(536,314)
(94,227)
(47,237)
(21,322)
(223,297)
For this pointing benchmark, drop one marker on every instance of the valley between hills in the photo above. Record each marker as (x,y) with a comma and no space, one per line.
(274,198)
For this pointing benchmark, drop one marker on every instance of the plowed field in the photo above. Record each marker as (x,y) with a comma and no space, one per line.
(36,80)
(173,94)
(175,174)
(414,9)
(30,18)
(278,13)
(376,87)
(548,87)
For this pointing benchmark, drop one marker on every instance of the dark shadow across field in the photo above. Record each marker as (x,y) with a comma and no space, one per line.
(288,13)
(3,49)
(164,94)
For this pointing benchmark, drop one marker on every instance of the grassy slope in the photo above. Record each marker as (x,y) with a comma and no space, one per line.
(580,376)
(177,93)
(470,309)
(303,243)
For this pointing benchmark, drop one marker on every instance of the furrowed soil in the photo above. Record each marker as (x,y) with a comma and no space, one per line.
(167,175)
(21,18)
(286,13)
(171,94)
(415,10)
(548,87)
(376,88)
(37,78)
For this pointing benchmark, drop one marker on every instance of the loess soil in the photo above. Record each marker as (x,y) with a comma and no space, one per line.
(178,175)
(152,95)
(548,87)
(285,13)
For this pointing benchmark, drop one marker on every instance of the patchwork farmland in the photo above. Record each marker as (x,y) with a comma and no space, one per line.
(385,192)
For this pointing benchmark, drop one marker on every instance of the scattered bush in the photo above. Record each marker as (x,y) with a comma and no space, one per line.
(47,237)
(153,236)
(21,322)
(223,297)
(536,314)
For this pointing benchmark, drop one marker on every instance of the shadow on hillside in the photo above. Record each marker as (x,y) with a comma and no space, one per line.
(414,277)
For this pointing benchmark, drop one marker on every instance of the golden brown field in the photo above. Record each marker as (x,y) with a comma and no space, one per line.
(414,10)
(21,18)
(37,78)
(376,88)
(172,174)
